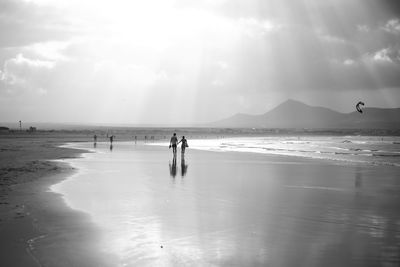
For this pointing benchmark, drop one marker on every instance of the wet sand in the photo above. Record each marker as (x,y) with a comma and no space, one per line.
(236,209)
(29,212)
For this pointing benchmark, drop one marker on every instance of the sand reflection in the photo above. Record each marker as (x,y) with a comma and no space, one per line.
(184,166)
(173,168)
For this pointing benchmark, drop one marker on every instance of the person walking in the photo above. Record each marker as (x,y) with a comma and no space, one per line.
(173,143)
(184,144)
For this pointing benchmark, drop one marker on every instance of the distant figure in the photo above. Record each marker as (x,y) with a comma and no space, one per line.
(95,139)
(184,144)
(111,139)
(172,167)
(111,147)
(173,143)
(135,139)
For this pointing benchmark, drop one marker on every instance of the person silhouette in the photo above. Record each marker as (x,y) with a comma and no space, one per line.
(173,143)
(184,144)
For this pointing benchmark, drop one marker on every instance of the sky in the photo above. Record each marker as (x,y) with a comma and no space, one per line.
(191,61)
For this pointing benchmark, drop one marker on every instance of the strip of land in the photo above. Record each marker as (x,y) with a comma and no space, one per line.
(29,212)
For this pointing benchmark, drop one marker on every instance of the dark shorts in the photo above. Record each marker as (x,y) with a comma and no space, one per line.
(174,146)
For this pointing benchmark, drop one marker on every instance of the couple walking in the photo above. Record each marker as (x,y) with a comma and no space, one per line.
(174,143)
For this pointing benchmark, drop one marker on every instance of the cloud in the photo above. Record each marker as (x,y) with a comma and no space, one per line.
(363,28)
(387,56)
(21,73)
(254,28)
(382,56)
(393,26)
(224,56)
(51,50)
(23,23)
(332,39)
(348,62)
(24,62)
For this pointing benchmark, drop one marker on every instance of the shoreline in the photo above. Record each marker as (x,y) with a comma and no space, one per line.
(279,153)
(30,211)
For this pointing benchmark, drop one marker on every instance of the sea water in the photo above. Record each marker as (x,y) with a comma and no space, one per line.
(376,150)
(244,209)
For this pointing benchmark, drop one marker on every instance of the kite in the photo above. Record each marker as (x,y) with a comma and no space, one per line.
(358,106)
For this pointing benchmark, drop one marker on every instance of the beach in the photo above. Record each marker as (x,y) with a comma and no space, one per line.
(29,164)
(290,110)
(236,209)
(135,205)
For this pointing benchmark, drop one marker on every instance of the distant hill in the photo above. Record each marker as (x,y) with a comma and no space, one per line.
(295,114)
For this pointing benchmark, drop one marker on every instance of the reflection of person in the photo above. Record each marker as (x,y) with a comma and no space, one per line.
(184,166)
(184,144)
(111,139)
(172,167)
(173,143)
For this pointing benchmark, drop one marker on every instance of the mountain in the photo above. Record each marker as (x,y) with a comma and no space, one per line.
(295,114)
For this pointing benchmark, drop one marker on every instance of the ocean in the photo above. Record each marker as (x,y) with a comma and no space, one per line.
(375,150)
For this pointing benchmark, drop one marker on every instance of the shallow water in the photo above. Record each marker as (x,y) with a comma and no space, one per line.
(375,150)
(236,209)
